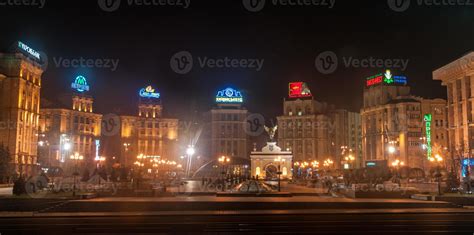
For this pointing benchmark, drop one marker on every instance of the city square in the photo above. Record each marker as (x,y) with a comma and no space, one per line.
(137,117)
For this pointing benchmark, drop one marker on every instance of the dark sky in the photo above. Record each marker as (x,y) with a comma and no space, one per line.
(143,38)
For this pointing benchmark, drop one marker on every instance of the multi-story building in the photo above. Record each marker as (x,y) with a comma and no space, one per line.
(224,133)
(70,127)
(393,126)
(148,133)
(20,84)
(458,76)
(305,128)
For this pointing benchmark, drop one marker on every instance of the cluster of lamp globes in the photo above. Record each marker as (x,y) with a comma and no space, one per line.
(328,162)
(436,158)
(154,160)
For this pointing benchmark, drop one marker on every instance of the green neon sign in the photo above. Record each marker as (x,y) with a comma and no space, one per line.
(428,119)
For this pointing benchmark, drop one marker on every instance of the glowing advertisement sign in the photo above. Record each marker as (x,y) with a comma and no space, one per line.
(29,50)
(386,78)
(149,92)
(299,90)
(97,145)
(80,84)
(229,95)
(428,119)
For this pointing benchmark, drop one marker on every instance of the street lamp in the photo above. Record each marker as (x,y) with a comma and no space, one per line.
(77,158)
(223,160)
(397,163)
(279,160)
(190,151)
(99,159)
(437,159)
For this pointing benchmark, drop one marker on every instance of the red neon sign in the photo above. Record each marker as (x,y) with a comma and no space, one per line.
(299,90)
(374,81)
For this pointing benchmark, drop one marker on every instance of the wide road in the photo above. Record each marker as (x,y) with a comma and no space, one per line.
(444,221)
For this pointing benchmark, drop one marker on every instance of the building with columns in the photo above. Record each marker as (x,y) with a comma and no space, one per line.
(68,127)
(148,133)
(20,84)
(223,132)
(393,125)
(458,76)
(305,129)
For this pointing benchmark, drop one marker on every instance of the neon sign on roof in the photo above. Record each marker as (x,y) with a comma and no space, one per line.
(28,50)
(229,95)
(80,84)
(386,78)
(299,90)
(149,92)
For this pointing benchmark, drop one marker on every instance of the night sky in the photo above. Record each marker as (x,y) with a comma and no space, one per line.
(143,39)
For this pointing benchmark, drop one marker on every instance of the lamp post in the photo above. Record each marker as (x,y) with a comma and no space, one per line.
(437,159)
(77,158)
(99,159)
(190,151)
(223,160)
(279,160)
(397,163)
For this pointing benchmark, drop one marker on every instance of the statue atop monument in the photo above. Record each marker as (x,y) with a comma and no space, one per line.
(271,131)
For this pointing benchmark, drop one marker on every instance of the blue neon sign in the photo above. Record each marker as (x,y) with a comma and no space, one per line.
(229,95)
(29,50)
(80,84)
(149,92)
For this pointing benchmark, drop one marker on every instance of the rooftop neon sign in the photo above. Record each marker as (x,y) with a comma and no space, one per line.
(29,50)
(229,95)
(299,90)
(80,84)
(149,92)
(386,78)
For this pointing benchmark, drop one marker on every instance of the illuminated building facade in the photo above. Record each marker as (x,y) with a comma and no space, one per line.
(149,133)
(70,129)
(223,133)
(393,126)
(305,129)
(458,76)
(20,84)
